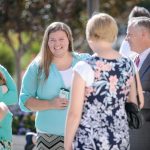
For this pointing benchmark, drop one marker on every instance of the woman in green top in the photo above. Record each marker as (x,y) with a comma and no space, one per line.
(8,96)
(46,84)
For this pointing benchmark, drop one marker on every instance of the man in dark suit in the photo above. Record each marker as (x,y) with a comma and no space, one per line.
(138,36)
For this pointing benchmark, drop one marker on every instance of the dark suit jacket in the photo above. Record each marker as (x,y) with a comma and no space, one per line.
(144,73)
(140,139)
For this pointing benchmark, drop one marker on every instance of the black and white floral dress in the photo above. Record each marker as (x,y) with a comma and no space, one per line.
(103,125)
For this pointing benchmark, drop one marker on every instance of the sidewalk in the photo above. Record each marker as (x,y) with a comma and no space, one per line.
(18,142)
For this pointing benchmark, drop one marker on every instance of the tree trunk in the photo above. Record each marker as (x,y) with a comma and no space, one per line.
(18,71)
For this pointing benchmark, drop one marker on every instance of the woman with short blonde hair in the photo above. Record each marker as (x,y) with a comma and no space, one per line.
(101,86)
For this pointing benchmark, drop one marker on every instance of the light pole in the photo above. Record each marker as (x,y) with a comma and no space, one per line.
(92,6)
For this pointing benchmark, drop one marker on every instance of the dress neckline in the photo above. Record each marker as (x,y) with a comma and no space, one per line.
(107,59)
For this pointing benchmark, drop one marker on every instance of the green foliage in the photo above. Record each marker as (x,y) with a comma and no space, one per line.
(35,47)
(15,124)
(145,3)
(31,54)
(118,9)
(29,122)
(26,59)
(6,57)
(23,123)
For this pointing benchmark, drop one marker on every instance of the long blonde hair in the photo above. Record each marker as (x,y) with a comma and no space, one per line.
(45,54)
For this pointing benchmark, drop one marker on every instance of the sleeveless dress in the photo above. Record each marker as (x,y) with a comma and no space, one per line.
(103,124)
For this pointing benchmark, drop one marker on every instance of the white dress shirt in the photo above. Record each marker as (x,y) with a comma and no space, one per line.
(125,50)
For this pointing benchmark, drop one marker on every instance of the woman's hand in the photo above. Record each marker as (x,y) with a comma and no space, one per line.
(59,103)
(3,110)
(4,89)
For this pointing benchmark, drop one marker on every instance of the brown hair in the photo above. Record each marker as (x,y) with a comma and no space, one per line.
(45,54)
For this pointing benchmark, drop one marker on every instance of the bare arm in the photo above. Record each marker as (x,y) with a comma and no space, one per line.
(9,96)
(38,105)
(3,110)
(132,95)
(140,91)
(75,109)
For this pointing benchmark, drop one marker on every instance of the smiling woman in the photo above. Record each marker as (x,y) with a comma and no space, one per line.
(49,73)
(58,43)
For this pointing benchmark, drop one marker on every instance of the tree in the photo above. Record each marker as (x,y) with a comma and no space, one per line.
(19,22)
(23,21)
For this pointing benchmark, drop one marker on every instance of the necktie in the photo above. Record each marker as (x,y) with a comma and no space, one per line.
(137,61)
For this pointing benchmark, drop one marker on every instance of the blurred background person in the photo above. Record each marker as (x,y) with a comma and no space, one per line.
(46,85)
(101,85)
(138,37)
(125,48)
(8,96)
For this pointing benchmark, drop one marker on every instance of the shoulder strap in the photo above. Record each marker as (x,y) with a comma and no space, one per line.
(137,93)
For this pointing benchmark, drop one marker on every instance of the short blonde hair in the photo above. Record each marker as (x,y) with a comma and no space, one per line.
(101,26)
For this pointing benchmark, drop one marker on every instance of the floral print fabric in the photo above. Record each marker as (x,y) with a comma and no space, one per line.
(5,145)
(103,124)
